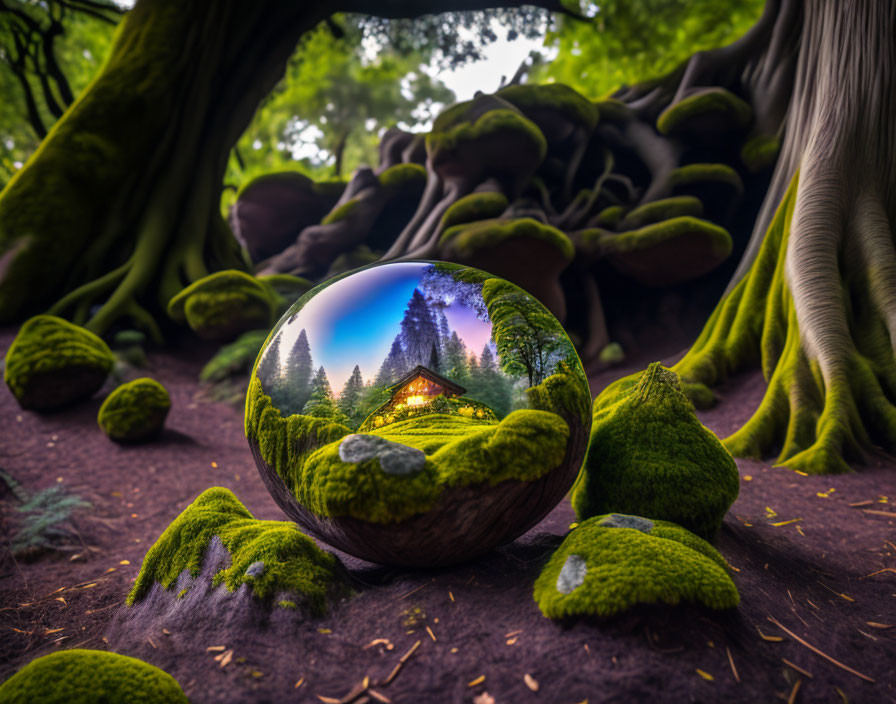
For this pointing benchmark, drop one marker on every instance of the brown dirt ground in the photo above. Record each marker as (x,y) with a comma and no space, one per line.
(808,552)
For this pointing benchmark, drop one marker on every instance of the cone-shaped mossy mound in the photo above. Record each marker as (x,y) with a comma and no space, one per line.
(53,363)
(135,411)
(223,305)
(650,456)
(90,677)
(273,558)
(611,563)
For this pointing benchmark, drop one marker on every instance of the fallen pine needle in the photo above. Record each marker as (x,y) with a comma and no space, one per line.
(451,596)
(796,688)
(512,634)
(705,675)
(380,641)
(299,683)
(793,666)
(859,504)
(733,668)
(787,523)
(401,662)
(216,649)
(840,594)
(228,656)
(328,700)
(873,512)
(819,652)
(431,634)
(885,569)
(531,682)
(379,696)
(478,680)
(413,591)
(771,639)
(875,624)
(52,630)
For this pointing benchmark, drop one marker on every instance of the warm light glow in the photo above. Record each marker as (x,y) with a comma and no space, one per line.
(417,400)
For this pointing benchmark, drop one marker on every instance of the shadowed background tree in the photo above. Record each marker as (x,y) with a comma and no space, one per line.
(796,117)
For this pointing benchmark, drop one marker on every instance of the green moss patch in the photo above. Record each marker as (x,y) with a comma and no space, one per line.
(285,289)
(341,212)
(465,240)
(135,411)
(88,677)
(552,96)
(236,358)
(611,563)
(721,106)
(691,176)
(476,206)
(760,152)
(717,240)
(272,557)
(650,456)
(386,414)
(53,363)
(401,176)
(610,216)
(611,110)
(459,450)
(664,209)
(223,304)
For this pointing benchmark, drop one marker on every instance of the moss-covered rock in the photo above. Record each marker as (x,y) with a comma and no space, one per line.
(235,358)
(223,305)
(467,239)
(612,110)
(401,176)
(341,212)
(650,456)
(285,289)
(53,363)
(90,677)
(534,99)
(291,564)
(708,111)
(474,207)
(699,178)
(610,216)
(135,411)
(611,563)
(760,152)
(659,210)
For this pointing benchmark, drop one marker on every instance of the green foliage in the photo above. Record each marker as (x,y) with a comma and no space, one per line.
(659,210)
(650,456)
(293,564)
(234,359)
(321,403)
(725,109)
(46,522)
(45,351)
(135,411)
(611,563)
(304,452)
(631,40)
(223,305)
(89,677)
(470,238)
(473,207)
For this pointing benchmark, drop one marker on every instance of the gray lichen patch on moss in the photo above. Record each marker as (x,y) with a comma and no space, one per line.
(223,304)
(89,676)
(135,411)
(472,237)
(606,566)
(293,564)
(476,206)
(721,105)
(683,474)
(659,210)
(48,349)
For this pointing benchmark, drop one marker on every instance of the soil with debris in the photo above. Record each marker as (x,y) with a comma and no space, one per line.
(814,559)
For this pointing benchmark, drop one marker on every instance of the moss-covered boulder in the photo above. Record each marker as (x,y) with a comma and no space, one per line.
(53,363)
(272,558)
(659,210)
(718,186)
(474,207)
(403,176)
(650,456)
(135,411)
(223,305)
(90,677)
(705,114)
(611,563)
(665,253)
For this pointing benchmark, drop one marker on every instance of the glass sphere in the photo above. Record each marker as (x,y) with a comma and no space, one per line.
(418,413)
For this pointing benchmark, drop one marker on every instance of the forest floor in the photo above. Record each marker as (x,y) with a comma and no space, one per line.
(814,559)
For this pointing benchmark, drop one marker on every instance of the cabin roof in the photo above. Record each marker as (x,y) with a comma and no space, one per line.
(427,373)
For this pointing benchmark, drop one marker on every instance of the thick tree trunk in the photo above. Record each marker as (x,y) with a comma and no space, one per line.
(814,301)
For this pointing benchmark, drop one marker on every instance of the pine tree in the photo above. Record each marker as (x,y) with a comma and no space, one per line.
(418,331)
(350,399)
(269,370)
(297,375)
(321,403)
(434,362)
(454,361)
(489,385)
(395,364)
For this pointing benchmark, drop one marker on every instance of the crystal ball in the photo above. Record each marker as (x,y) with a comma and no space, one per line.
(418,413)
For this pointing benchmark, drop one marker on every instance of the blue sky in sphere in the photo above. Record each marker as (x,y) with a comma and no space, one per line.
(355,320)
